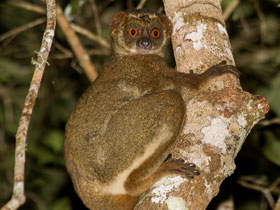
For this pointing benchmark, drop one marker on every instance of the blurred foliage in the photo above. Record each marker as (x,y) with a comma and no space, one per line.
(254,32)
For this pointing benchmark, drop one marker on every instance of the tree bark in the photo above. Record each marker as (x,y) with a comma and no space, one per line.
(217,120)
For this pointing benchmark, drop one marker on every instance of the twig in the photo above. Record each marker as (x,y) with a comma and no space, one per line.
(22,28)
(90,52)
(265,190)
(230,9)
(96,17)
(90,35)
(65,51)
(6,43)
(274,184)
(18,197)
(277,205)
(141,4)
(262,19)
(270,122)
(76,28)
(28,6)
(76,45)
(104,5)
(5,95)
(244,22)
(99,52)
(37,200)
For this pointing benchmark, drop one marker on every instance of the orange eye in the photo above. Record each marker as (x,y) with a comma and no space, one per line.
(132,32)
(155,33)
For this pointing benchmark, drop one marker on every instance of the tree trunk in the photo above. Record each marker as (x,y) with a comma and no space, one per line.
(217,121)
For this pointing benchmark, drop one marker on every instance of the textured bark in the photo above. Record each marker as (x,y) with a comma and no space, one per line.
(18,197)
(217,121)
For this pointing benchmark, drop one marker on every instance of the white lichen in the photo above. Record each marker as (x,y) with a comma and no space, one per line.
(197,36)
(228,49)
(197,156)
(48,38)
(178,24)
(178,49)
(242,121)
(164,186)
(208,190)
(42,50)
(215,135)
(86,56)
(222,29)
(50,32)
(177,203)
(49,43)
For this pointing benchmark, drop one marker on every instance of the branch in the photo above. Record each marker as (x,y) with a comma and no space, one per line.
(18,197)
(270,122)
(77,28)
(72,38)
(217,120)
(96,17)
(27,6)
(22,28)
(277,206)
(90,35)
(141,4)
(228,11)
(76,45)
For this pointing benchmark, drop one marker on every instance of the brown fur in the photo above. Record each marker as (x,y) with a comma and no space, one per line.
(126,123)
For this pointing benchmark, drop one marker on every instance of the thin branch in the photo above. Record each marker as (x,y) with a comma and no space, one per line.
(18,197)
(141,4)
(270,122)
(265,190)
(5,96)
(76,45)
(76,28)
(27,6)
(61,56)
(67,53)
(96,17)
(22,28)
(262,19)
(99,52)
(274,185)
(277,205)
(37,200)
(228,11)
(90,35)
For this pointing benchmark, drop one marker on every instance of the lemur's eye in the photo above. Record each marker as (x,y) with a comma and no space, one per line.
(132,32)
(155,33)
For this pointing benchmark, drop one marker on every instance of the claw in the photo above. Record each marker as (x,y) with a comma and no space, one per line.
(196,172)
(180,161)
(169,156)
(190,176)
(224,62)
(191,165)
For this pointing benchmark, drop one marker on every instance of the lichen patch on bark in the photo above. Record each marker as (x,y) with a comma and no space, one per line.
(215,135)
(164,186)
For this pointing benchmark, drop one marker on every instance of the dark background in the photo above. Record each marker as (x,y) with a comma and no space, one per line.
(253,27)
